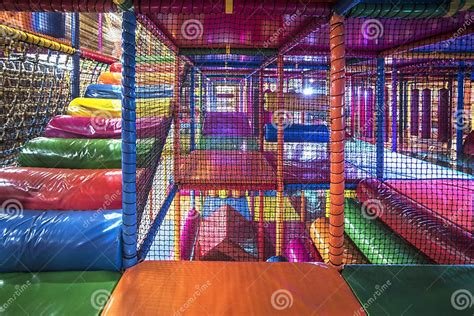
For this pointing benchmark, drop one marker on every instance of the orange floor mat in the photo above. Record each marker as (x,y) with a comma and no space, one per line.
(226,169)
(231,288)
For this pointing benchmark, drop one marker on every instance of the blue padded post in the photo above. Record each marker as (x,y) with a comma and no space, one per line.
(380,128)
(76,58)
(394,106)
(129,152)
(459,110)
(192,106)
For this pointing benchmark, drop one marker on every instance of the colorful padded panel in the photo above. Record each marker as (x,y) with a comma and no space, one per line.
(452,199)
(298,133)
(269,209)
(226,124)
(57,293)
(108,108)
(66,126)
(412,290)
(76,153)
(62,189)
(376,241)
(108,91)
(230,143)
(95,107)
(307,288)
(61,240)
(436,236)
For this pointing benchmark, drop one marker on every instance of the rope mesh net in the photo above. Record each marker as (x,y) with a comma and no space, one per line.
(155,77)
(36,81)
(235,146)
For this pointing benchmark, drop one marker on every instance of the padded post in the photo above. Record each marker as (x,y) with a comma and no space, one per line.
(129,146)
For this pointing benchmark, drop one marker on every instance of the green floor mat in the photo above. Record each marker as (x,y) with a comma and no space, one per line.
(412,290)
(56,293)
(230,143)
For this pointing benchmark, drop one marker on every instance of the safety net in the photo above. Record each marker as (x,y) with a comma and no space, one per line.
(248,132)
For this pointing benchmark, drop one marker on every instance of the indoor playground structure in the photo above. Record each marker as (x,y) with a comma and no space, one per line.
(237,157)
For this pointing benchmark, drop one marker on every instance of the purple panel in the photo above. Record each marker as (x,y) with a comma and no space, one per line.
(65,126)
(369,113)
(361,99)
(443,115)
(414,112)
(226,124)
(426,117)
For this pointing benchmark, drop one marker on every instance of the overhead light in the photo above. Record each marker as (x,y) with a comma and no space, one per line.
(308,91)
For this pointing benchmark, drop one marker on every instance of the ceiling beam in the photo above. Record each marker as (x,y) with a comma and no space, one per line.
(306,29)
(228,51)
(342,7)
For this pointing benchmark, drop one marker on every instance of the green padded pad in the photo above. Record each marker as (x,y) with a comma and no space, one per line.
(56,293)
(230,143)
(376,241)
(412,290)
(76,153)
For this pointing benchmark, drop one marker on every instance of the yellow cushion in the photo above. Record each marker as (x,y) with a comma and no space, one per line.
(111,108)
(270,206)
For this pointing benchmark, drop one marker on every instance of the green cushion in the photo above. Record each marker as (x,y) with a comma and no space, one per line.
(229,143)
(376,241)
(75,153)
(412,290)
(56,293)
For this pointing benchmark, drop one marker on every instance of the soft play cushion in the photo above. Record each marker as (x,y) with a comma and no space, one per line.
(297,133)
(109,91)
(60,240)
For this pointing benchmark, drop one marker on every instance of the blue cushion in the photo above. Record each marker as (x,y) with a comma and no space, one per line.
(299,133)
(60,240)
(108,91)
